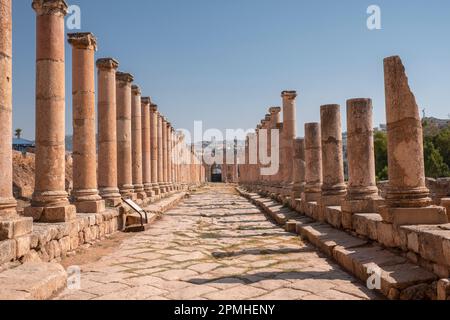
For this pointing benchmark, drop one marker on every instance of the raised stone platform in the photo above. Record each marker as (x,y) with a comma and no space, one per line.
(400,278)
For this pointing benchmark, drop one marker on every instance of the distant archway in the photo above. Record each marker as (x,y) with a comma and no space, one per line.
(216,173)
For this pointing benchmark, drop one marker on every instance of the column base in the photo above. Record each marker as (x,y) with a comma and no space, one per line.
(13,227)
(95,206)
(111,196)
(351,207)
(113,202)
(126,191)
(331,200)
(51,214)
(414,216)
(311,197)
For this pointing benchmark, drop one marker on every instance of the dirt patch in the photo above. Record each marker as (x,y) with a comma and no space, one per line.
(96,251)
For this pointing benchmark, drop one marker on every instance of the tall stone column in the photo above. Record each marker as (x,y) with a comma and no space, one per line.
(124,156)
(313,159)
(7,202)
(288,137)
(274,120)
(162,148)
(334,188)
(11,225)
(136,142)
(50,200)
(107,131)
(154,136)
(362,192)
(85,188)
(299,167)
(407,190)
(169,155)
(146,146)
(165,160)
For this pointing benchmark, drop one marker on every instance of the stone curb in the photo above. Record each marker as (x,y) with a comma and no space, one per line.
(398,278)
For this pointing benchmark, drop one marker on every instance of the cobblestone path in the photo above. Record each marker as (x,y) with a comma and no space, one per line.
(216,245)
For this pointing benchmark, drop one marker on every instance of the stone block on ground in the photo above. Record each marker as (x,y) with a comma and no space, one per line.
(32,281)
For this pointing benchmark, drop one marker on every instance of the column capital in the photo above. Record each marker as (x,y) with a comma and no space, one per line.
(124,77)
(50,7)
(135,90)
(153,107)
(275,110)
(268,117)
(289,94)
(107,64)
(146,101)
(82,40)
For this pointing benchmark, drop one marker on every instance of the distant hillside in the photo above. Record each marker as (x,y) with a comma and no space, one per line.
(432,126)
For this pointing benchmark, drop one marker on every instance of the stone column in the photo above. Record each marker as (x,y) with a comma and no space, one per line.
(165,160)
(11,225)
(289,134)
(313,160)
(169,156)
(107,131)
(85,188)
(334,188)
(407,190)
(146,146)
(274,120)
(124,156)
(136,142)
(7,202)
(161,162)
(362,193)
(298,170)
(50,200)
(154,148)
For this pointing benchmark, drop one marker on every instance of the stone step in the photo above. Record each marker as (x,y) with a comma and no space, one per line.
(398,278)
(32,281)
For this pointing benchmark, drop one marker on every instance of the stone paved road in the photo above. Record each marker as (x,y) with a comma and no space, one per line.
(216,245)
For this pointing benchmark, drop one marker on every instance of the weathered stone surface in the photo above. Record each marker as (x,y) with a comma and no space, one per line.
(7,251)
(15,227)
(35,281)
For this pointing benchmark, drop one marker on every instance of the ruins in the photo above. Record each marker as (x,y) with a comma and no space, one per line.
(140,156)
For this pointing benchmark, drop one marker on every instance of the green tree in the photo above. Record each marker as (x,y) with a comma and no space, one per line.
(381,156)
(18,133)
(442,142)
(435,167)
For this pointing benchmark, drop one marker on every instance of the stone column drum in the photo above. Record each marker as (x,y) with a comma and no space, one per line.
(299,167)
(289,135)
(136,142)
(154,148)
(313,159)
(407,197)
(124,156)
(146,146)
(362,193)
(107,131)
(85,188)
(50,200)
(334,188)
(11,225)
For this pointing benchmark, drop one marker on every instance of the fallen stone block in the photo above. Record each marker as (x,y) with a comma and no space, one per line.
(33,281)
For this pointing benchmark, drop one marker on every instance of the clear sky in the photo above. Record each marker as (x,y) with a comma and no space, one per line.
(226,61)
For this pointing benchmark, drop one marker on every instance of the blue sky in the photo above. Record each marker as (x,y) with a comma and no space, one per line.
(226,61)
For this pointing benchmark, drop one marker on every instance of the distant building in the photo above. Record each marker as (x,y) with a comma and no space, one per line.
(22,145)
